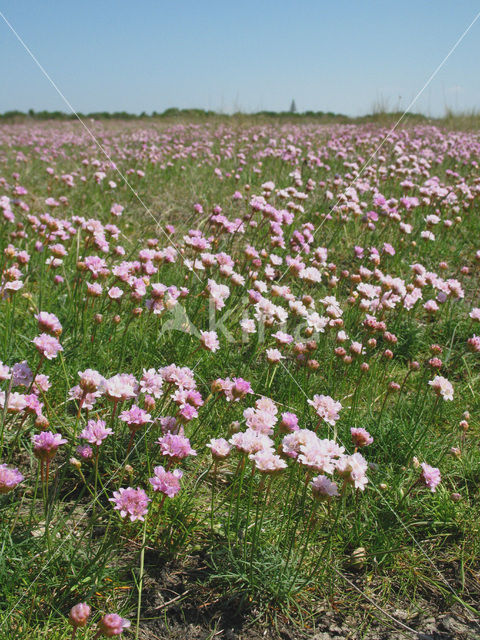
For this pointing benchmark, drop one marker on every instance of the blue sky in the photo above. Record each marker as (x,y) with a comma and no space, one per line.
(342,55)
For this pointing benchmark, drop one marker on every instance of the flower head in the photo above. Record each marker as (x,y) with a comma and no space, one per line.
(47,346)
(135,417)
(360,437)
(175,446)
(167,482)
(46,443)
(113,625)
(323,487)
(131,502)
(326,408)
(79,614)
(209,340)
(9,478)
(219,448)
(430,476)
(95,432)
(49,323)
(442,387)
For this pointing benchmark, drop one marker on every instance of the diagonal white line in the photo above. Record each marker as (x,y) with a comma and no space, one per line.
(94,138)
(385,501)
(386,138)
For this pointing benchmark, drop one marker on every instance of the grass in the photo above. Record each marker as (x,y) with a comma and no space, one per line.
(266,549)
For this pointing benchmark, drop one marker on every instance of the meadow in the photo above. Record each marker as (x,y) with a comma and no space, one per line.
(239,380)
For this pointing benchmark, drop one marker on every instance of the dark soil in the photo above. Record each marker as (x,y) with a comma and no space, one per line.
(180,604)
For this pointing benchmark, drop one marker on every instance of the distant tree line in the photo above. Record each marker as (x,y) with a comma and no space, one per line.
(191,113)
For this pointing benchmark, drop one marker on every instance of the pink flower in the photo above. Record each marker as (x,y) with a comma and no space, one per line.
(151,382)
(289,422)
(175,446)
(474,343)
(442,387)
(360,437)
(323,487)
(79,614)
(274,356)
(430,476)
(95,432)
(219,448)
(131,502)
(47,346)
(9,478)
(353,469)
(84,451)
(41,384)
(167,482)
(121,387)
(209,340)
(90,380)
(115,293)
(326,408)
(112,624)
(16,402)
(240,388)
(266,461)
(21,374)
(46,443)
(250,441)
(49,323)
(4,372)
(135,417)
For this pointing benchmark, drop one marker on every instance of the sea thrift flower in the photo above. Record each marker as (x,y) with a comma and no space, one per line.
(430,476)
(250,441)
(95,432)
(175,446)
(360,437)
(21,374)
(442,387)
(131,502)
(474,344)
(121,387)
(112,624)
(90,380)
(219,448)
(4,372)
(49,323)
(84,451)
(240,388)
(326,408)
(9,478)
(135,417)
(209,340)
(79,615)
(289,422)
(266,461)
(151,382)
(167,482)
(46,443)
(353,469)
(274,356)
(47,346)
(323,487)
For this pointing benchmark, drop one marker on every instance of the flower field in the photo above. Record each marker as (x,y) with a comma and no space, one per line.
(239,379)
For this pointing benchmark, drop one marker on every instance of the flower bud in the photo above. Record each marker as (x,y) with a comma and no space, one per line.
(79,614)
